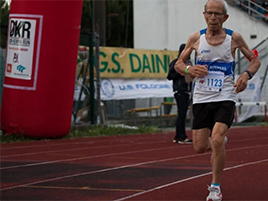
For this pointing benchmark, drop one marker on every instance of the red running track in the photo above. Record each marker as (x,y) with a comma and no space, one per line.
(132,167)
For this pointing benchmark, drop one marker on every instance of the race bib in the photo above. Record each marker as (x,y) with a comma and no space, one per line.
(212,82)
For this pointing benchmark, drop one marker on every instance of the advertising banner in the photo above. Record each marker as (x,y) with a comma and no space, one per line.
(120,89)
(23,50)
(134,63)
(20,48)
(251,94)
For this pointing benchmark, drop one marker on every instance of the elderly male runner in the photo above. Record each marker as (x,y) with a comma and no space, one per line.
(215,90)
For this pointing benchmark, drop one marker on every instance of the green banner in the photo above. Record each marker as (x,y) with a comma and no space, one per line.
(134,63)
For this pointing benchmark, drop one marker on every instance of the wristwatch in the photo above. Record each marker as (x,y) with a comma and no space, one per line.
(250,74)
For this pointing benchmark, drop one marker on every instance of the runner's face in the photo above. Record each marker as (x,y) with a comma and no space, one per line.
(214,15)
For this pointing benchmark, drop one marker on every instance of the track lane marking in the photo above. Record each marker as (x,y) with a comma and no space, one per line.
(90,141)
(187,179)
(82,158)
(84,188)
(120,167)
(77,149)
(119,145)
(105,155)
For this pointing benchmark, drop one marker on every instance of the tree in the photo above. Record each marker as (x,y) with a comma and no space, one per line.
(119,22)
(4,22)
(87,14)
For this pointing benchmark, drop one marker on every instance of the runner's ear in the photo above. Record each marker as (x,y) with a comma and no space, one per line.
(226,17)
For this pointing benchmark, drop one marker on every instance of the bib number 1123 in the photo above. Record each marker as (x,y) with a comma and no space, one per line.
(212,82)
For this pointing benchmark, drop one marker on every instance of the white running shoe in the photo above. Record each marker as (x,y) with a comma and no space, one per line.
(225,140)
(214,194)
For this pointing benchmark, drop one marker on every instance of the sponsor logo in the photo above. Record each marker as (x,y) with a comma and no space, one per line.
(152,86)
(251,86)
(202,81)
(20,33)
(107,88)
(205,51)
(9,68)
(20,29)
(21,68)
(16,58)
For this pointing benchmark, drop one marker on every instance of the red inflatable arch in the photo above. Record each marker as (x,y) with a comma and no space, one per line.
(42,46)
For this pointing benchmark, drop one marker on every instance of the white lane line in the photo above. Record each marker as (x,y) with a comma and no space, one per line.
(120,167)
(98,171)
(93,140)
(113,154)
(44,144)
(85,140)
(83,148)
(187,179)
(86,157)
(104,146)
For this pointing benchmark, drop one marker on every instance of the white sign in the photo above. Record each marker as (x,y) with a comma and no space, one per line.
(251,94)
(120,89)
(20,48)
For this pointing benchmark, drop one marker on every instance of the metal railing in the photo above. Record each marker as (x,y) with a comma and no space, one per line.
(251,7)
(242,62)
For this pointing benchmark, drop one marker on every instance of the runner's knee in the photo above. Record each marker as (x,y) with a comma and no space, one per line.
(217,143)
(200,148)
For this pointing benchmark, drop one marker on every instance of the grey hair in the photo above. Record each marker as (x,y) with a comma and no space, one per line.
(225,5)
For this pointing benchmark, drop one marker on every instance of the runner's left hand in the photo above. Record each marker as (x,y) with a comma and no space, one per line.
(241,83)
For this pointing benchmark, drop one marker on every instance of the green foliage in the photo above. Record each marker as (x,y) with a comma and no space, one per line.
(4,22)
(13,138)
(90,131)
(87,16)
(119,22)
(100,130)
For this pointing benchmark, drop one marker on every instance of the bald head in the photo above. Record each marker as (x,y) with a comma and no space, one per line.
(225,6)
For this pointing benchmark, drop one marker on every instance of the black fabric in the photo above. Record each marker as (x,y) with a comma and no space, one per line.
(181,89)
(179,83)
(207,114)
(182,100)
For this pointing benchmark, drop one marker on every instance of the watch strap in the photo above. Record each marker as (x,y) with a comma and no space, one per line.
(250,74)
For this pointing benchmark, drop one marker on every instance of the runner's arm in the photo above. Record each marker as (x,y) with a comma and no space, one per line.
(181,66)
(254,64)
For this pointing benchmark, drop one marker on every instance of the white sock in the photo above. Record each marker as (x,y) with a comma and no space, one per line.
(216,186)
